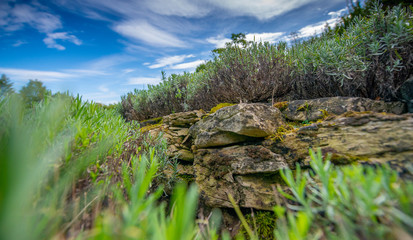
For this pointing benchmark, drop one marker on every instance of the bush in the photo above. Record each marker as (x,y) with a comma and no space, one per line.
(371,57)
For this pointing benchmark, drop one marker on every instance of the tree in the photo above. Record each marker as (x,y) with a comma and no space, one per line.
(34,91)
(238,39)
(5,85)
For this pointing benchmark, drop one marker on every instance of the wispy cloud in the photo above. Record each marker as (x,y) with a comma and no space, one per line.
(143,31)
(110,61)
(264,37)
(188,65)
(17,16)
(51,38)
(22,14)
(182,8)
(19,43)
(169,61)
(260,9)
(218,41)
(317,28)
(23,75)
(86,72)
(143,80)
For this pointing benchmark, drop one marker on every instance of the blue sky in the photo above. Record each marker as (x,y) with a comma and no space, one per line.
(103,49)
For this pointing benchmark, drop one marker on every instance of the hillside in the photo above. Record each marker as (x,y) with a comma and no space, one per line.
(311,140)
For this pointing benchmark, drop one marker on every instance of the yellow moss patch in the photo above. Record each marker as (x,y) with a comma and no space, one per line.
(219,106)
(281,131)
(281,105)
(155,120)
(150,127)
(304,107)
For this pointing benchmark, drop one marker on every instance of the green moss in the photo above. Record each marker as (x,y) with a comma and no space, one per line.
(281,105)
(219,106)
(188,178)
(344,159)
(263,224)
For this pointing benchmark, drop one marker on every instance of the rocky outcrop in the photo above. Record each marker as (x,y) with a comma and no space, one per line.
(240,150)
(236,124)
(175,130)
(315,109)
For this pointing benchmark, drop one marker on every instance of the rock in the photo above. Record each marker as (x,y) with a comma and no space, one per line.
(245,172)
(315,109)
(351,137)
(250,172)
(405,93)
(183,119)
(236,124)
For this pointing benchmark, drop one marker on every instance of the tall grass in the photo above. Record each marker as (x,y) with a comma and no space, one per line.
(57,174)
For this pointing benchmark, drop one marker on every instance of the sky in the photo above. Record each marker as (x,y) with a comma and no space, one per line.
(103,49)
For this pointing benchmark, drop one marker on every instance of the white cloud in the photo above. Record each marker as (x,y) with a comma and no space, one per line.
(128,70)
(51,38)
(106,62)
(103,88)
(86,72)
(317,28)
(143,80)
(264,37)
(219,41)
(14,18)
(23,75)
(145,32)
(182,8)
(169,61)
(188,65)
(19,43)
(260,9)
(338,13)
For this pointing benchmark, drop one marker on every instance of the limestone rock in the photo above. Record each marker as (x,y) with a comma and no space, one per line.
(315,109)
(250,172)
(183,119)
(236,124)
(361,137)
(245,172)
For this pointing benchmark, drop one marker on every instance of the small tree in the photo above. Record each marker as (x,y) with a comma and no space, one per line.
(33,92)
(5,85)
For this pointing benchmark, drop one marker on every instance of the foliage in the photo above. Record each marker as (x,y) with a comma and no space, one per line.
(371,56)
(6,87)
(33,92)
(344,203)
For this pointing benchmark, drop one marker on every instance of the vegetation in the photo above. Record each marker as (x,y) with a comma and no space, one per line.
(33,92)
(5,86)
(352,202)
(76,169)
(371,56)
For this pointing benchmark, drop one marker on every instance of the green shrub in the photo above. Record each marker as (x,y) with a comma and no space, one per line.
(352,202)
(370,57)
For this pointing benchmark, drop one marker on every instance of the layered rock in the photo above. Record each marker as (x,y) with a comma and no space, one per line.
(235,124)
(234,151)
(315,109)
